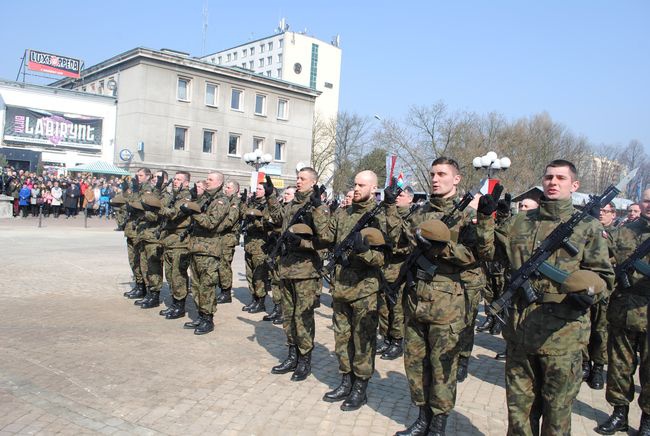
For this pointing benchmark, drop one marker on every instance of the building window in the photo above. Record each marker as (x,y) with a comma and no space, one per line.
(251,65)
(211,94)
(329,85)
(270,45)
(283,109)
(233,144)
(183,93)
(234,56)
(236,99)
(244,53)
(213,59)
(314,66)
(219,59)
(268,73)
(280,147)
(208,141)
(180,138)
(280,58)
(262,48)
(269,60)
(260,104)
(252,51)
(260,63)
(258,143)
(279,73)
(281,43)
(243,64)
(228,57)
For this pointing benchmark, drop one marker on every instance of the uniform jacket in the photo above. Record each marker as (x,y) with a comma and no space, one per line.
(210,224)
(174,221)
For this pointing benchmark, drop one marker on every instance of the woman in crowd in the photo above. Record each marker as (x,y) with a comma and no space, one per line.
(34,200)
(24,197)
(57,199)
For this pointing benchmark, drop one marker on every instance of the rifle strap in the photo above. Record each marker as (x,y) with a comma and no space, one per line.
(642,267)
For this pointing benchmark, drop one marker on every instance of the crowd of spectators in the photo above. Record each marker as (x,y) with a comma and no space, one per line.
(52,194)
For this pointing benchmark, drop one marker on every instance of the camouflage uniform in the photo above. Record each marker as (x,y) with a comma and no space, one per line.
(176,255)
(151,250)
(628,324)
(354,295)
(545,339)
(435,309)
(133,245)
(205,248)
(254,241)
(229,240)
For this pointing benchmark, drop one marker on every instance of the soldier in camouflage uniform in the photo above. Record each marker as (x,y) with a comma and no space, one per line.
(208,221)
(254,251)
(354,295)
(391,316)
(176,257)
(134,215)
(545,339)
(628,330)
(298,269)
(229,240)
(435,303)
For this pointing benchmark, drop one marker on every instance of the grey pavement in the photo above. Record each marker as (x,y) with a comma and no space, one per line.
(78,358)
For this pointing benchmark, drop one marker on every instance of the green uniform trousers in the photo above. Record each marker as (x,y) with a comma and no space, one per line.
(133,251)
(472,301)
(431,361)
(355,335)
(225,267)
(596,351)
(622,347)
(177,263)
(256,271)
(276,286)
(298,312)
(391,316)
(541,387)
(151,265)
(205,273)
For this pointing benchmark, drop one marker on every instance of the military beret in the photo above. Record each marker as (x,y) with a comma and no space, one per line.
(136,205)
(118,200)
(254,213)
(151,200)
(374,236)
(301,229)
(583,280)
(192,205)
(435,230)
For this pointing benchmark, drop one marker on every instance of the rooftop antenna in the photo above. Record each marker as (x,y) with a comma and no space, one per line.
(205,25)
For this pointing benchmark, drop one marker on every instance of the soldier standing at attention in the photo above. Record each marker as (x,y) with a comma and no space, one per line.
(229,240)
(435,307)
(628,329)
(298,270)
(354,295)
(130,195)
(254,255)
(208,220)
(545,338)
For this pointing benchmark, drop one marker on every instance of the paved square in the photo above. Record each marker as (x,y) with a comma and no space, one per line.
(78,358)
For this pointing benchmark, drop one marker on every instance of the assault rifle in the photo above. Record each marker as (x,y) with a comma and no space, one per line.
(295,219)
(536,265)
(165,220)
(632,263)
(204,207)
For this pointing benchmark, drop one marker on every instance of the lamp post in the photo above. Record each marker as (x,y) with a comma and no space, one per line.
(491,163)
(257,159)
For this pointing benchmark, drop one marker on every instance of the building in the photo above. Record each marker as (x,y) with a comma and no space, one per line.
(293,57)
(176,112)
(56,128)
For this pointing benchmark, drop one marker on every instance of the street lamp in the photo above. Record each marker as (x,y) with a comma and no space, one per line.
(257,159)
(491,163)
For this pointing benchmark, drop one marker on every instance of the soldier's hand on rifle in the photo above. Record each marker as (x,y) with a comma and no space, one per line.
(135,185)
(315,197)
(193,192)
(159,182)
(360,245)
(186,209)
(390,193)
(503,206)
(334,205)
(268,186)
(244,196)
(487,204)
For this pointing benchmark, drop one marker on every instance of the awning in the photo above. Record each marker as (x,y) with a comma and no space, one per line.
(99,167)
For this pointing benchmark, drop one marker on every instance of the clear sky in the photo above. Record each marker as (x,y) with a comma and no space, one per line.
(585,62)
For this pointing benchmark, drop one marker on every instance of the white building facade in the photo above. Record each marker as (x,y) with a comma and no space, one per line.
(58,128)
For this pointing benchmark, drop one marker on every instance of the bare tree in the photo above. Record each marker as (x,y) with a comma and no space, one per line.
(351,138)
(323,145)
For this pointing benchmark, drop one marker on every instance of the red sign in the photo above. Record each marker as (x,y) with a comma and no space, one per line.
(53,64)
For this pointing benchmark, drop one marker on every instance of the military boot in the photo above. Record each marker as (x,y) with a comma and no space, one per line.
(178,309)
(382,344)
(278,320)
(342,391)
(247,307)
(139,290)
(258,307)
(153,301)
(420,426)
(289,364)
(487,324)
(497,326)
(206,325)
(168,309)
(501,355)
(146,298)
(303,369)
(596,378)
(644,427)
(271,316)
(586,370)
(461,372)
(193,324)
(438,425)
(225,296)
(357,397)
(394,351)
(617,421)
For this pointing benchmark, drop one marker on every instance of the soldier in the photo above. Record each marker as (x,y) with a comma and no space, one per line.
(354,293)
(435,301)
(391,316)
(209,218)
(545,338)
(628,329)
(594,356)
(633,213)
(229,240)
(255,240)
(176,256)
(298,269)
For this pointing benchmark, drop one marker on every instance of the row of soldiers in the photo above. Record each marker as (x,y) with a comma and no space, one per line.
(418,270)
